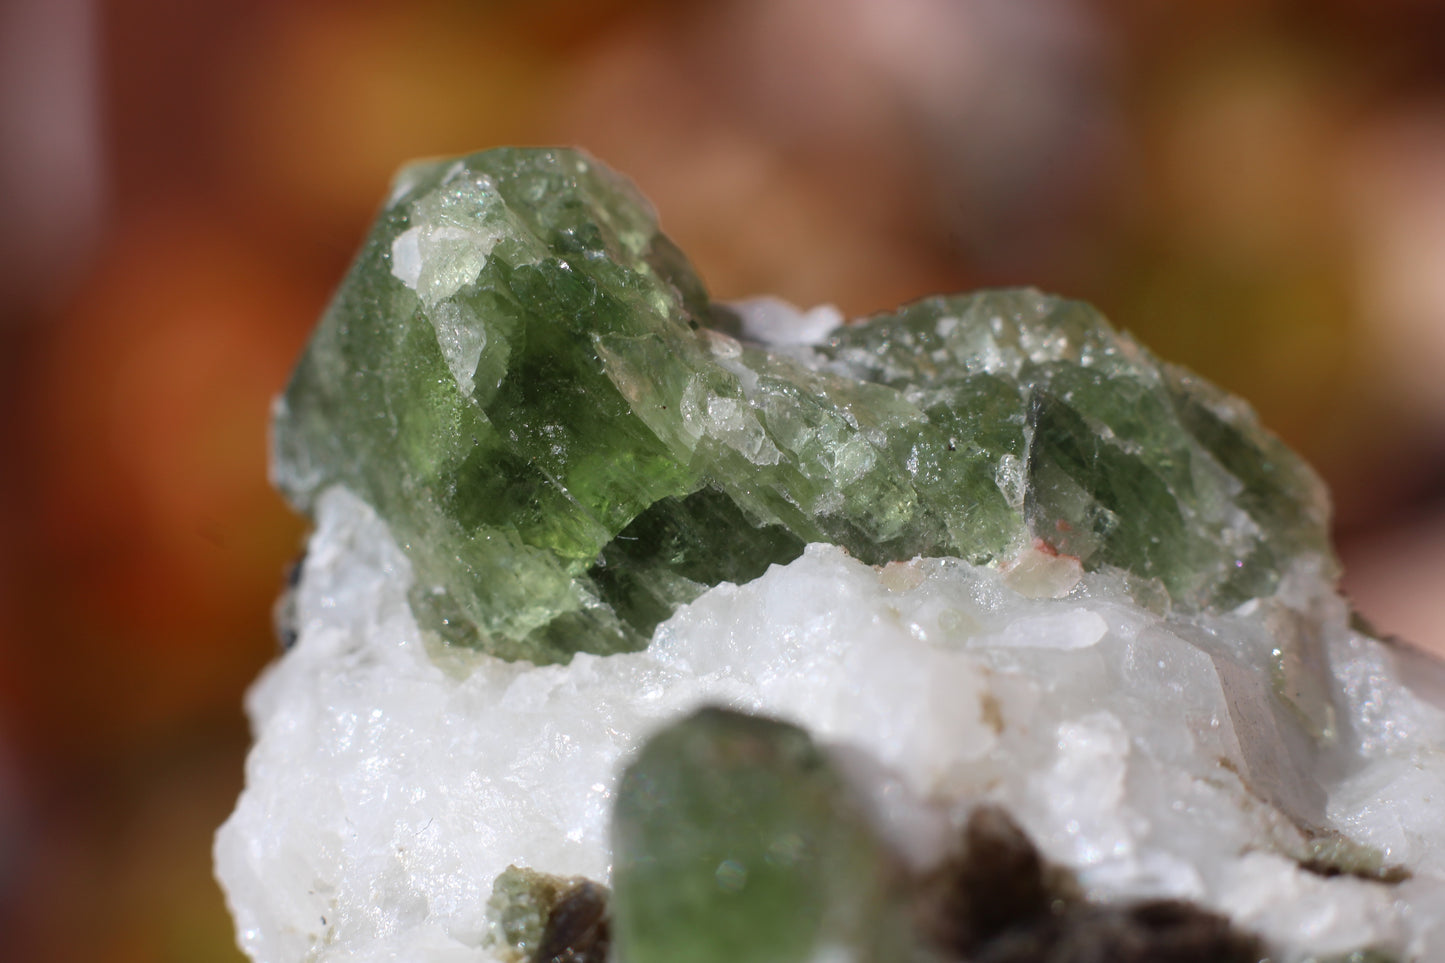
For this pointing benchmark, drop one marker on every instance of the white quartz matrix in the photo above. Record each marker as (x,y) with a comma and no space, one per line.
(393,778)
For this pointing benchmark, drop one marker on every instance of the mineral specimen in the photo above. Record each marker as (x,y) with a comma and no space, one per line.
(969,631)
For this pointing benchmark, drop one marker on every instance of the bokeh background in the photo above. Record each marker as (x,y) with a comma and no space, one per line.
(1256,188)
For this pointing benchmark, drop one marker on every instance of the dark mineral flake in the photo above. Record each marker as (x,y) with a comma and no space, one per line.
(578,929)
(998,901)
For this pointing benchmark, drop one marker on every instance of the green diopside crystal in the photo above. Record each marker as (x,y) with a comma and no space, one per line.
(526,380)
(735,841)
(518,909)
(534,916)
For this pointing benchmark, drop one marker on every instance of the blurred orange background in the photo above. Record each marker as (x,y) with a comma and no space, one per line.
(1256,189)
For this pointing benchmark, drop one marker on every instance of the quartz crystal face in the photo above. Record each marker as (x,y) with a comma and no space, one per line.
(525,377)
(638,628)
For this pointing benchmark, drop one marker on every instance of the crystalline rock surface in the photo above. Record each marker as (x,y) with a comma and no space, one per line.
(983,550)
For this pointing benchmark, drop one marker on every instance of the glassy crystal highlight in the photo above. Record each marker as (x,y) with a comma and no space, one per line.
(527,380)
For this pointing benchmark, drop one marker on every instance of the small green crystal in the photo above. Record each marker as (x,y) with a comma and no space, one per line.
(735,841)
(535,917)
(526,380)
(517,911)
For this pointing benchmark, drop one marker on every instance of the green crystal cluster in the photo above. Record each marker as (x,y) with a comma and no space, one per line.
(527,381)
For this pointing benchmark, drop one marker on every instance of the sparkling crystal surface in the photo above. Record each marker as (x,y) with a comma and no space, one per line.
(527,380)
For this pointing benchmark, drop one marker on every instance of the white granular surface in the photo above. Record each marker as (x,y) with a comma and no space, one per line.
(393,778)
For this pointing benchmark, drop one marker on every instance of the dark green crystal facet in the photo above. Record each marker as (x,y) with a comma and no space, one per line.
(526,380)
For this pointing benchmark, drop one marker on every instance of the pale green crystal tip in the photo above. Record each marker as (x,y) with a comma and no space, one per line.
(525,378)
(734,840)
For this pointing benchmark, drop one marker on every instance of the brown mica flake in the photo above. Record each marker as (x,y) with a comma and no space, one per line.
(999,901)
(578,928)
(991,713)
